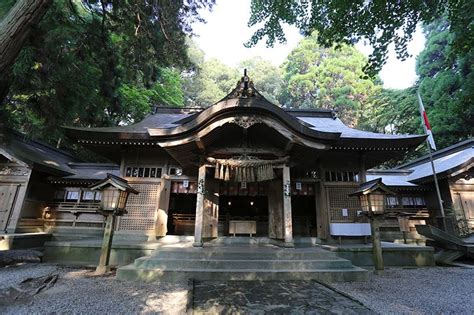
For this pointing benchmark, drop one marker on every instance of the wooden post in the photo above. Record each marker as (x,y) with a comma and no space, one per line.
(161,224)
(103,266)
(200,206)
(322,209)
(376,245)
(275,209)
(287,219)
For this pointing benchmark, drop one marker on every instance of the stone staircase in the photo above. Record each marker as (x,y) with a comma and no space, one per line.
(262,262)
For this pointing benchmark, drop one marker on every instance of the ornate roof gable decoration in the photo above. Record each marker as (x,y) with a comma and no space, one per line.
(246,121)
(244,87)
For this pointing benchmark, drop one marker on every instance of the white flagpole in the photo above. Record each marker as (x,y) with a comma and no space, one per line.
(430,143)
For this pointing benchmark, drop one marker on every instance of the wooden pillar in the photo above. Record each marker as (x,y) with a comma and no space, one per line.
(377,255)
(275,209)
(287,219)
(211,209)
(161,223)
(103,266)
(322,209)
(200,206)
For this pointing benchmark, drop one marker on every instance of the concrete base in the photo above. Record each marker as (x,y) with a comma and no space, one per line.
(87,252)
(23,240)
(394,255)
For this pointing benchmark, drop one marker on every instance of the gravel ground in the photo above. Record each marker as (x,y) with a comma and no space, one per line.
(78,291)
(435,290)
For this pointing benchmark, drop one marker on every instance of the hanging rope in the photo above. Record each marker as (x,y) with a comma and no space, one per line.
(245,168)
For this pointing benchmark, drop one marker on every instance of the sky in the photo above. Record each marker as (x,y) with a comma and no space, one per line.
(226,31)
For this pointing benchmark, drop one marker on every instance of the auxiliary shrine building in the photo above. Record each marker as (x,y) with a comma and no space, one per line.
(242,166)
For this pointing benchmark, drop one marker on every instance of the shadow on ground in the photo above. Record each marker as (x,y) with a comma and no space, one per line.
(275,297)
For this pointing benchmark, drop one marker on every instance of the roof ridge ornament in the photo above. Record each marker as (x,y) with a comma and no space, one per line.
(244,87)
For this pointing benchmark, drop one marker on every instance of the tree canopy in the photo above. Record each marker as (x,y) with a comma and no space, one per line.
(380,23)
(104,62)
(211,80)
(100,63)
(446,84)
(329,78)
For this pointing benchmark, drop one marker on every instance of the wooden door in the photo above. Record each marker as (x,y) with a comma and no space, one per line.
(7,197)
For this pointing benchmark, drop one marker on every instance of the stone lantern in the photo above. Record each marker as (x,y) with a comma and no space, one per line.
(372,196)
(115,191)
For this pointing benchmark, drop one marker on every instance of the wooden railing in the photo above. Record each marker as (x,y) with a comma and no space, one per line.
(73,214)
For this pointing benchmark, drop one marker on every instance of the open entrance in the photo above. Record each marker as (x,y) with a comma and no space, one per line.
(304,215)
(181,214)
(241,209)
(303,210)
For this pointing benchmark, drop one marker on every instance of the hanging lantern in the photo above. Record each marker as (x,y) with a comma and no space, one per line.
(372,196)
(115,191)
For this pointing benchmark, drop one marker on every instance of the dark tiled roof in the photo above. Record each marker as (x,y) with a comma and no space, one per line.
(93,171)
(39,155)
(393,178)
(56,162)
(327,124)
(318,124)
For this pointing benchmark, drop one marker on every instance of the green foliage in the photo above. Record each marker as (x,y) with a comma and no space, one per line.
(447,85)
(210,81)
(381,23)
(393,112)
(329,78)
(100,63)
(5,6)
(265,76)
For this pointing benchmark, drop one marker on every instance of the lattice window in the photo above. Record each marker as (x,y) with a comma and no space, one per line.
(339,200)
(143,172)
(341,176)
(141,208)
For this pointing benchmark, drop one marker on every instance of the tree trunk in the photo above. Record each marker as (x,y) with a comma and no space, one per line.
(14,31)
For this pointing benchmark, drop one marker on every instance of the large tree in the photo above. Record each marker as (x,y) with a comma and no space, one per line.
(380,23)
(330,78)
(15,28)
(211,80)
(446,83)
(266,77)
(446,80)
(99,63)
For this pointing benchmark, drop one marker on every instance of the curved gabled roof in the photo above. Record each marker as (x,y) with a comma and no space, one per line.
(173,124)
(242,107)
(170,124)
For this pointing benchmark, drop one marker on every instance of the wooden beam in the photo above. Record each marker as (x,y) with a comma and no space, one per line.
(289,146)
(240,151)
(200,145)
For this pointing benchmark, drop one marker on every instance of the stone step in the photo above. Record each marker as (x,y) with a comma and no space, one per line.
(242,255)
(227,264)
(131,272)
